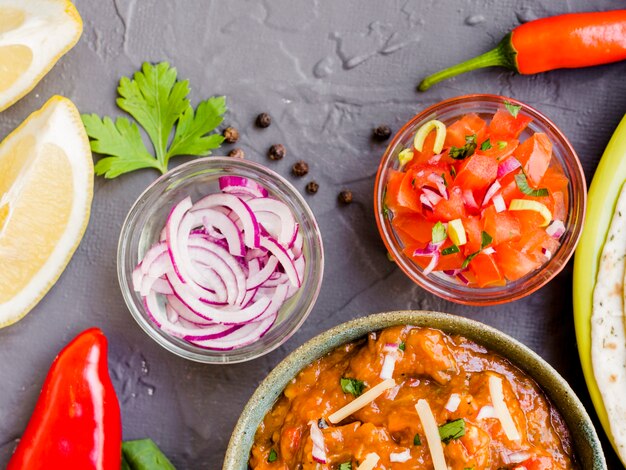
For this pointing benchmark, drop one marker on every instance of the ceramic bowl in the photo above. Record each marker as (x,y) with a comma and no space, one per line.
(585,440)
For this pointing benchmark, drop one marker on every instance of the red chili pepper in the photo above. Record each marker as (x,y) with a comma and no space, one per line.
(76,423)
(565,41)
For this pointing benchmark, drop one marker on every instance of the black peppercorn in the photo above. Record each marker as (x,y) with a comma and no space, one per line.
(263,120)
(300,168)
(345,196)
(277,152)
(231,135)
(237,153)
(312,187)
(382,133)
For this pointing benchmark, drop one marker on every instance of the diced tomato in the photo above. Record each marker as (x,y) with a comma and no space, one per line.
(451,208)
(393,189)
(536,463)
(500,152)
(554,180)
(449,262)
(560,206)
(533,243)
(290,442)
(422,175)
(468,125)
(534,154)
(473,230)
(505,126)
(510,190)
(426,153)
(502,226)
(414,225)
(477,172)
(486,271)
(407,197)
(513,263)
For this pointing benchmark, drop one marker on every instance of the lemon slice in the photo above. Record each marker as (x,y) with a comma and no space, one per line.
(34,34)
(46,187)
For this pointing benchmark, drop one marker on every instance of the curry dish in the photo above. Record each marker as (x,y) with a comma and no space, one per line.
(412,398)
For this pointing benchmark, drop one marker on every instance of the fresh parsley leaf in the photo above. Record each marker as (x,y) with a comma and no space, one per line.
(486,145)
(345,466)
(513,108)
(158,102)
(522,184)
(502,144)
(485,239)
(273,456)
(144,453)
(417,441)
(353,386)
(461,153)
(402,346)
(452,430)
(450,250)
(439,233)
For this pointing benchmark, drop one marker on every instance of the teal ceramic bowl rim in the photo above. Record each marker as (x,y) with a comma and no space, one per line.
(585,440)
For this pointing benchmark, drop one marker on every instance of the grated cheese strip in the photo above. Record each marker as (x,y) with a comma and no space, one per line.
(432,434)
(370,462)
(358,403)
(502,411)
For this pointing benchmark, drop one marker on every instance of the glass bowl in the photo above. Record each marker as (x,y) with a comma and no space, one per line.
(444,286)
(199,178)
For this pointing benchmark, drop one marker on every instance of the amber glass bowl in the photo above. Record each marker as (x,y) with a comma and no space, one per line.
(444,286)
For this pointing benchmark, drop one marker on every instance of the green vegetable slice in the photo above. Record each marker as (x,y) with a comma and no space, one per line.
(143,454)
(486,145)
(345,466)
(273,456)
(450,250)
(452,430)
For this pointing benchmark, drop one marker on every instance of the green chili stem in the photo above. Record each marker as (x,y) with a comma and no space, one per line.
(503,55)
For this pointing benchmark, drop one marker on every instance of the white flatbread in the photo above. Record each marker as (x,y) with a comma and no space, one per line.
(608,328)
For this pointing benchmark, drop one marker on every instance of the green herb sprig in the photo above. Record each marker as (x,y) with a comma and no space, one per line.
(158,102)
(461,153)
(353,386)
(523,186)
(452,430)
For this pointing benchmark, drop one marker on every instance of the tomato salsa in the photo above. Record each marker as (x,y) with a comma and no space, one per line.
(412,398)
(481,200)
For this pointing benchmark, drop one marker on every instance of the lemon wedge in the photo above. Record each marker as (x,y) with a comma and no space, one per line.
(34,34)
(46,187)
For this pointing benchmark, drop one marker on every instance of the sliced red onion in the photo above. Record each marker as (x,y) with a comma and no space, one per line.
(218,279)
(507,166)
(489,250)
(486,412)
(556,229)
(498,203)
(389,364)
(391,347)
(239,185)
(493,189)
(400,457)
(547,253)
(469,200)
(432,196)
(462,278)
(317,437)
(435,159)
(517,457)
(440,183)
(424,200)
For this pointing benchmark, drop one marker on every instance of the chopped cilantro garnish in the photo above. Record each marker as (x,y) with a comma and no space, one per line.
(345,466)
(450,250)
(443,176)
(402,346)
(461,153)
(439,233)
(417,441)
(513,108)
(353,386)
(502,144)
(486,145)
(452,430)
(486,239)
(453,172)
(273,456)
(522,184)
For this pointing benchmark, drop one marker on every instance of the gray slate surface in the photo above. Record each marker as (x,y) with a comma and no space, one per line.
(328,72)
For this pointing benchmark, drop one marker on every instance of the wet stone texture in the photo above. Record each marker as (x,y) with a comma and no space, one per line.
(328,73)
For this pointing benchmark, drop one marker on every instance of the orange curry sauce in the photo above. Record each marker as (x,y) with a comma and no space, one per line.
(429,365)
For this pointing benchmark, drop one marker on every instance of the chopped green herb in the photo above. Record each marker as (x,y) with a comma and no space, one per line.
(439,233)
(486,239)
(522,184)
(443,176)
(486,145)
(452,430)
(469,259)
(453,172)
(502,144)
(413,183)
(461,153)
(402,346)
(513,108)
(158,102)
(345,466)
(450,250)
(273,456)
(353,386)
(417,441)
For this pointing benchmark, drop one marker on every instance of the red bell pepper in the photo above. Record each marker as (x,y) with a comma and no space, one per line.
(76,423)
